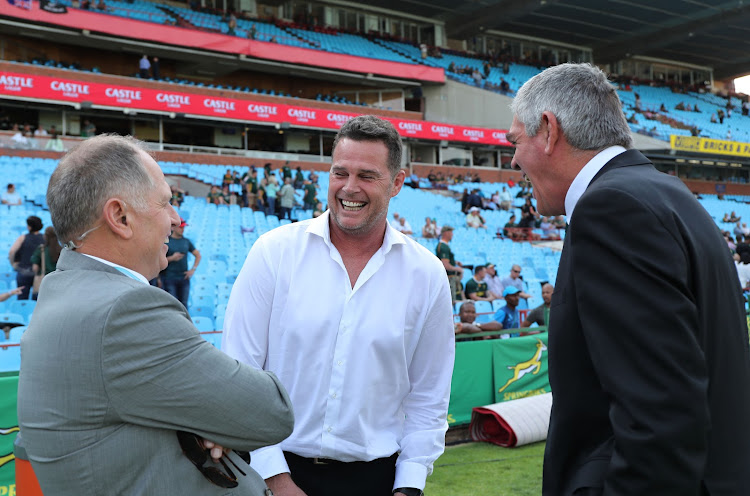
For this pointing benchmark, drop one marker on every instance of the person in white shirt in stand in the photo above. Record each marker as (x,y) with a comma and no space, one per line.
(404,227)
(367,352)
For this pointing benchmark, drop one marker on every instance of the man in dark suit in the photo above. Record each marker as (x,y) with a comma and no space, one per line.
(648,347)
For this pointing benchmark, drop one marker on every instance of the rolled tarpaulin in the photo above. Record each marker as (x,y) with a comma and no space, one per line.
(512,423)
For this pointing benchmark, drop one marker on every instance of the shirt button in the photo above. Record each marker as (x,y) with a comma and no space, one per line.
(339,363)
(329,429)
(333,395)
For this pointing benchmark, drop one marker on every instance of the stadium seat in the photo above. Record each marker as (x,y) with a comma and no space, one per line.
(203,324)
(10,358)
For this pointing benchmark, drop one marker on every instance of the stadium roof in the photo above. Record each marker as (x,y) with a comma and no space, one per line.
(712,33)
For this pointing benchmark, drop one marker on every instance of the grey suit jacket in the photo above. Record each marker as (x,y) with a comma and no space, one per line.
(111,368)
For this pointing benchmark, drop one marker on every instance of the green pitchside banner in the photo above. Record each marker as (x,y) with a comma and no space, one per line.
(8,431)
(496,370)
(520,367)
(472,380)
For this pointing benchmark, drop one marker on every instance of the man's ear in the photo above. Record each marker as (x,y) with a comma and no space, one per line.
(117,217)
(398,182)
(551,128)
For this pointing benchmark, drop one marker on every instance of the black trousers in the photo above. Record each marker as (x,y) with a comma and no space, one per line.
(373,478)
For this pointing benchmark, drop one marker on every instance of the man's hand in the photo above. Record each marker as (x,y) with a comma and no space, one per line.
(283,485)
(217,450)
(189,273)
(176,256)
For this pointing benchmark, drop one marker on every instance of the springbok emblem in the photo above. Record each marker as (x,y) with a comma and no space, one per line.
(4,459)
(523,368)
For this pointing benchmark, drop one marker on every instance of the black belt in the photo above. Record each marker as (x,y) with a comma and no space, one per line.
(329,461)
(452,272)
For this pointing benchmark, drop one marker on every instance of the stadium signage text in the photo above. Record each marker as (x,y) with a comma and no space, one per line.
(70,89)
(263,110)
(15,83)
(123,95)
(151,99)
(712,146)
(173,100)
(220,106)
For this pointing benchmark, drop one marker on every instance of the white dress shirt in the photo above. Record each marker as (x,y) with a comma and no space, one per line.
(128,272)
(586,175)
(368,368)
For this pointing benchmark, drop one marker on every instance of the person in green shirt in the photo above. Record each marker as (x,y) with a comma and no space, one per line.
(454,269)
(309,199)
(476,288)
(540,315)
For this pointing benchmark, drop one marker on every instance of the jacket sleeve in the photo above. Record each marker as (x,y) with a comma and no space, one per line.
(640,324)
(160,373)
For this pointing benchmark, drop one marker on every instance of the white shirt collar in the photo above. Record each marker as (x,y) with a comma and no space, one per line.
(135,274)
(585,176)
(321,227)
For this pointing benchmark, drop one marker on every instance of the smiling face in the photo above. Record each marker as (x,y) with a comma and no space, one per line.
(360,187)
(153,225)
(531,159)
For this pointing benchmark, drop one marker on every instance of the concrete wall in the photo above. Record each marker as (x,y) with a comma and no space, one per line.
(457,103)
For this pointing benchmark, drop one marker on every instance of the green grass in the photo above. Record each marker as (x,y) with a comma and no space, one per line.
(485,469)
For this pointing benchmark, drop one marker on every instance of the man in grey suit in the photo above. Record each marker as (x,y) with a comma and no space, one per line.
(112,367)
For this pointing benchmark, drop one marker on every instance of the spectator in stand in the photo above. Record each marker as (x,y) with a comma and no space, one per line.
(540,315)
(505,199)
(454,269)
(494,284)
(178,195)
(714,119)
(227,197)
(20,254)
(88,130)
(738,231)
(430,229)
(299,179)
(101,5)
(11,197)
(227,178)
(549,231)
(508,315)
(404,227)
(286,199)
(476,288)
(474,220)
(214,196)
(250,181)
(528,214)
(50,250)
(144,66)
(272,188)
(19,140)
(155,69)
(559,223)
(662,108)
(680,106)
(40,132)
(509,228)
(742,264)
(55,144)
(468,324)
(175,279)
(319,210)
(473,200)
(309,198)
(720,113)
(515,280)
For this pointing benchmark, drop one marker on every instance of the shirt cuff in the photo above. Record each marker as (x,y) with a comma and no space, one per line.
(410,474)
(269,461)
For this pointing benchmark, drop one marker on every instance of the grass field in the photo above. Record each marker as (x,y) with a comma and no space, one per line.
(485,469)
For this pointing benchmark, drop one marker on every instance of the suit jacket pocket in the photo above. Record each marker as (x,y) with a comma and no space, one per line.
(590,476)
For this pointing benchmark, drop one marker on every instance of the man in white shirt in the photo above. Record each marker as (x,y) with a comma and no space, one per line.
(404,227)
(493,280)
(11,197)
(366,351)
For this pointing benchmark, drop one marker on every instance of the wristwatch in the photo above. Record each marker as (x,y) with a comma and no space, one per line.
(409,491)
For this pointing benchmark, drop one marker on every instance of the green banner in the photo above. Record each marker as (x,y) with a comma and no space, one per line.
(472,380)
(8,431)
(520,367)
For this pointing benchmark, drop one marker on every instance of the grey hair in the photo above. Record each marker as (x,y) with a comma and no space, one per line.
(371,128)
(91,173)
(582,99)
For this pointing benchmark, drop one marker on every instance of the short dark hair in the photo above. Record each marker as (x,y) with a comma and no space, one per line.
(479,267)
(372,128)
(34,223)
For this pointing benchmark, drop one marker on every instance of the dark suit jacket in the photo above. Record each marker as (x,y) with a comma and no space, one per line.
(648,345)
